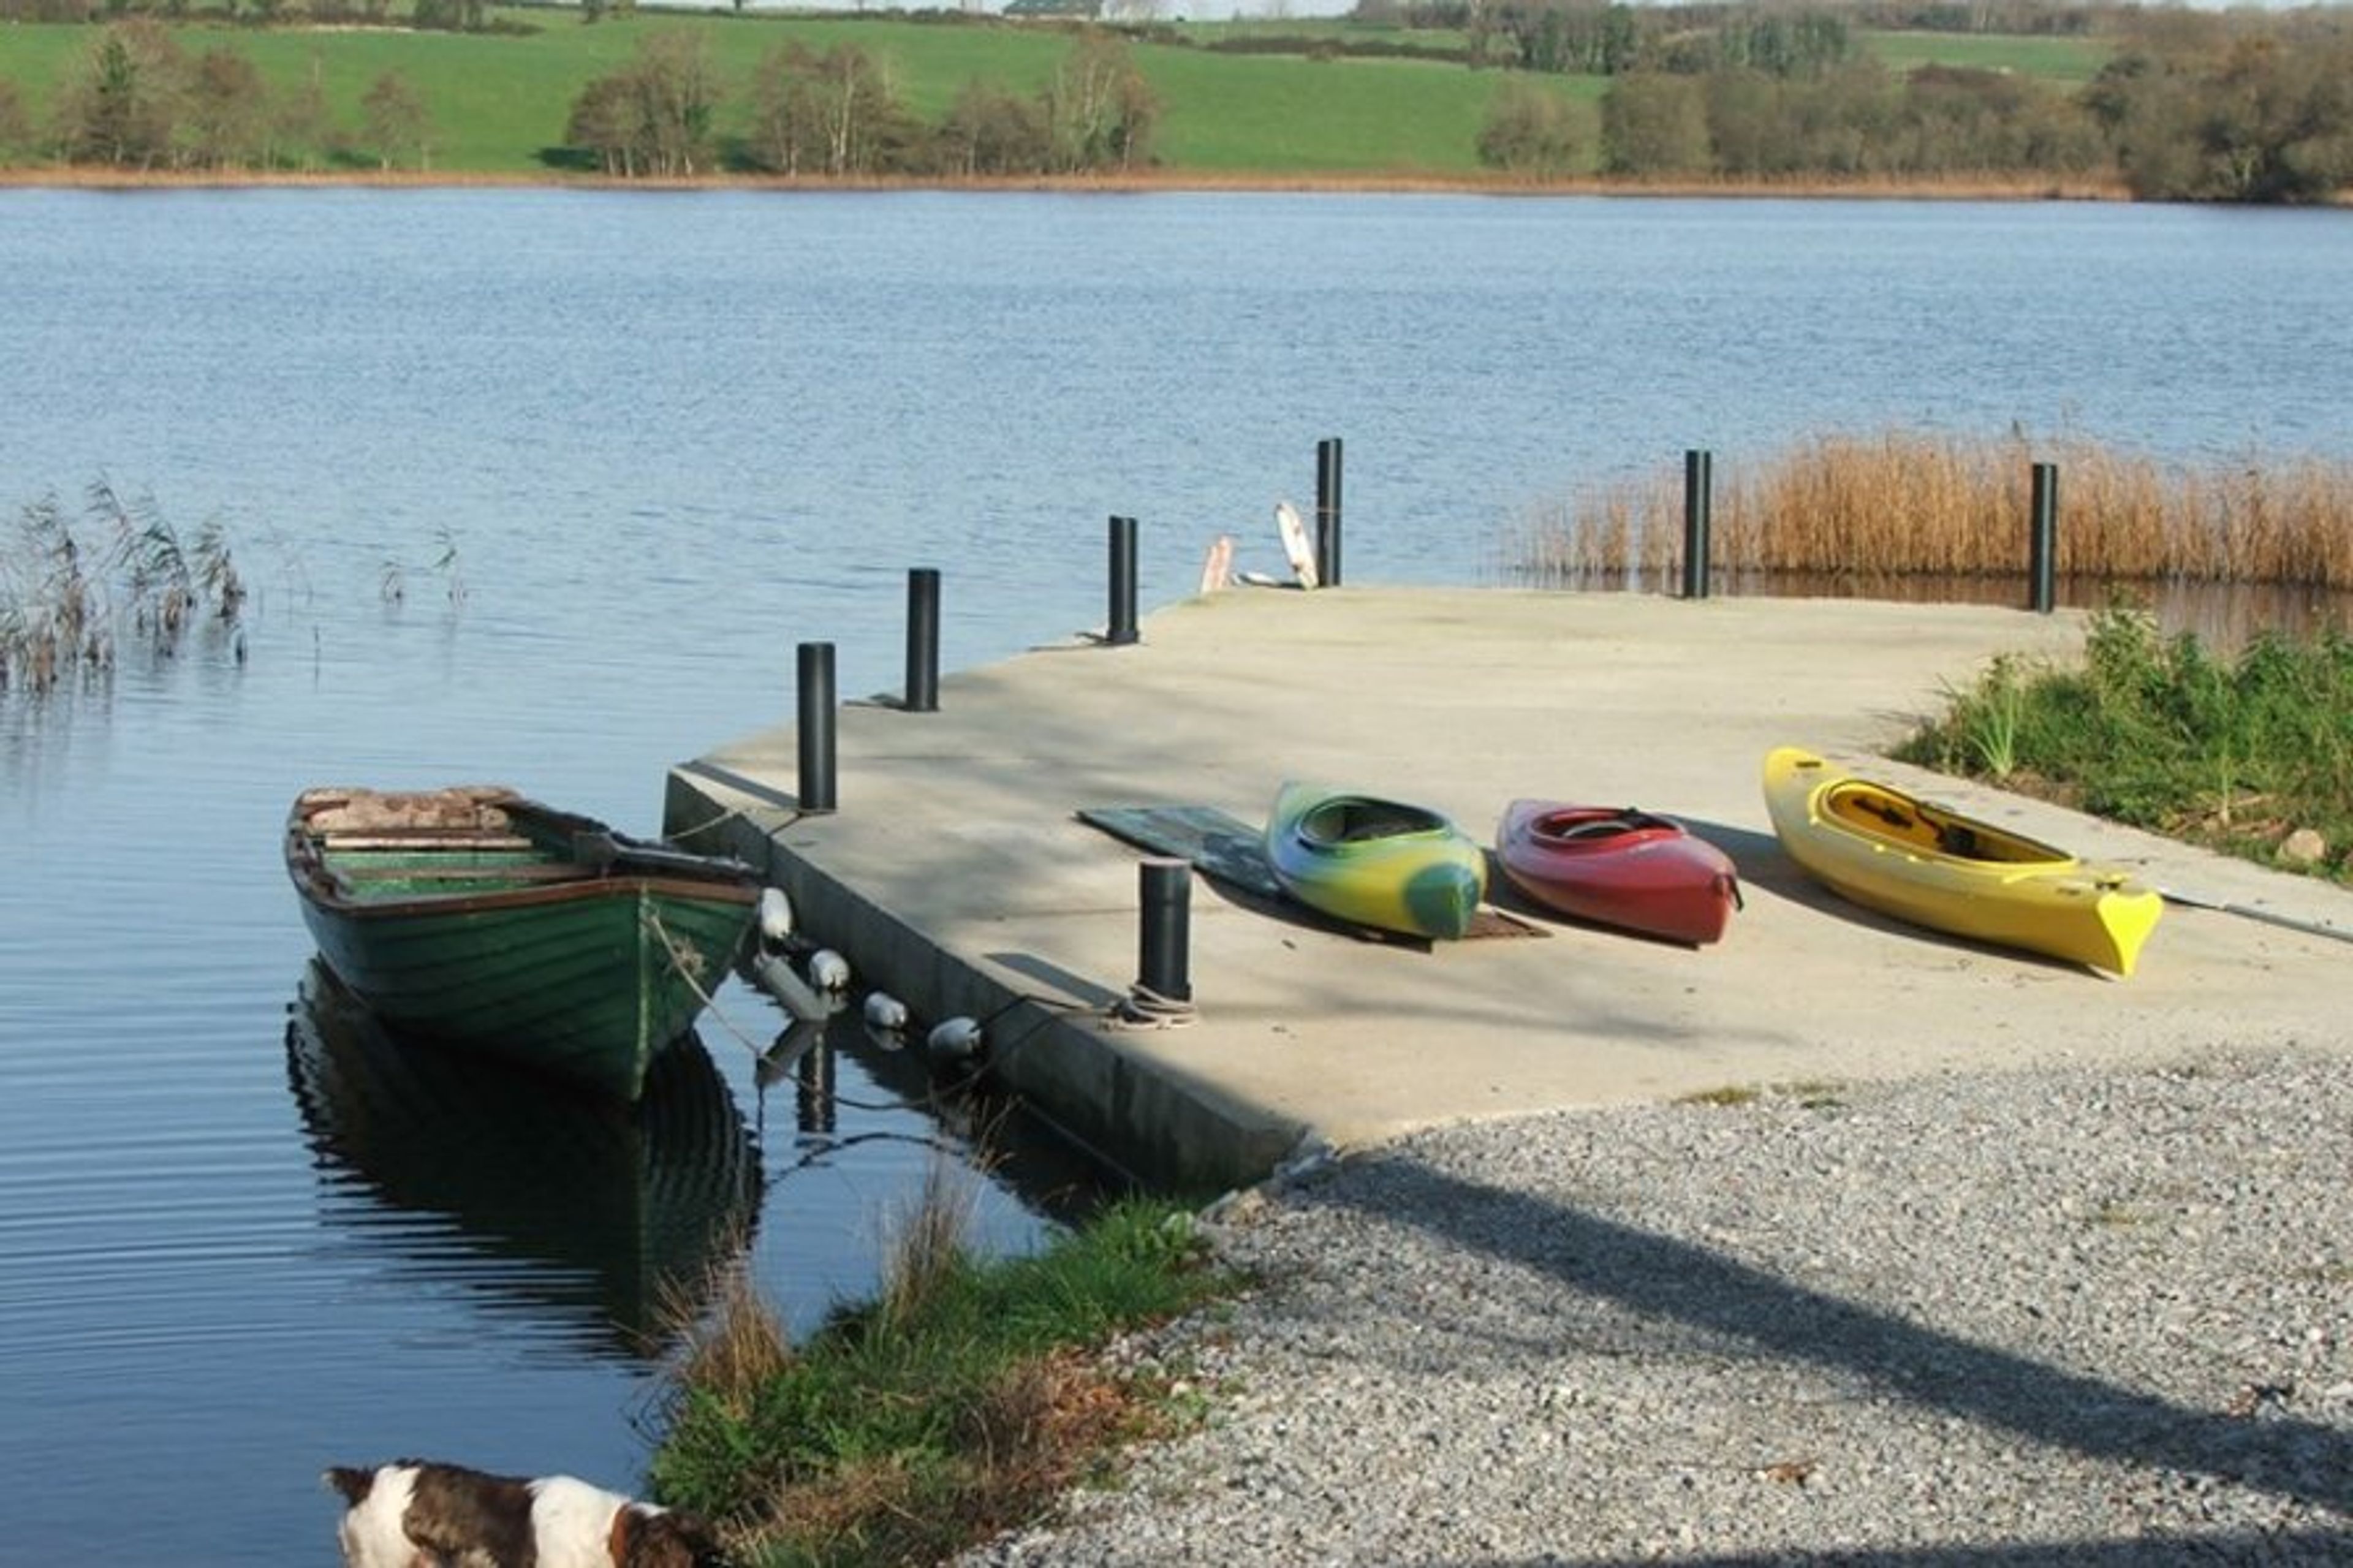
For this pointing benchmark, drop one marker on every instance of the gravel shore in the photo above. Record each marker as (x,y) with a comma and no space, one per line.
(2071,1316)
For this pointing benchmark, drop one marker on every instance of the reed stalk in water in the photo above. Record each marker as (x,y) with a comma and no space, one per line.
(72,589)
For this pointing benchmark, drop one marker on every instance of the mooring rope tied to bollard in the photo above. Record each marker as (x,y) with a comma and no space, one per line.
(1144,1009)
(788,816)
(681,959)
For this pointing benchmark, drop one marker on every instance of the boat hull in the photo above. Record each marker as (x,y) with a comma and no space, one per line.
(1932,867)
(1617,867)
(496,933)
(1384,864)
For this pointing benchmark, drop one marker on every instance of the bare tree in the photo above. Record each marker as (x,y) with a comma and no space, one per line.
(395,121)
(656,115)
(300,127)
(227,120)
(679,93)
(121,109)
(834,112)
(990,131)
(1099,111)
(16,125)
(606,124)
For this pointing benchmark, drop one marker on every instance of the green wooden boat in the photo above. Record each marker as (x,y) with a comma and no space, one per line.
(474,916)
(1373,862)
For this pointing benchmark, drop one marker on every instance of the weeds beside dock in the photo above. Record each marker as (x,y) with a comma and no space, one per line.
(955,1404)
(2251,754)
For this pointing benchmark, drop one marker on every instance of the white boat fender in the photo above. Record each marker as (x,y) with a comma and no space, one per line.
(775,917)
(828,971)
(884,1012)
(776,978)
(956,1039)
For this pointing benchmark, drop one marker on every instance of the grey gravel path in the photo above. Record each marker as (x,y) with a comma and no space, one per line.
(2082,1315)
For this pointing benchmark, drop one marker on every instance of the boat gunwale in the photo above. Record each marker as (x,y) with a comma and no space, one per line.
(1525,821)
(310,852)
(1416,825)
(1826,802)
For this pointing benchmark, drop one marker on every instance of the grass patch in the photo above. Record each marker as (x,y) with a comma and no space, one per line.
(2249,753)
(959,1402)
(2069,60)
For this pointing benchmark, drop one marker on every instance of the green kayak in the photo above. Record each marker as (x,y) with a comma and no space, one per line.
(1374,862)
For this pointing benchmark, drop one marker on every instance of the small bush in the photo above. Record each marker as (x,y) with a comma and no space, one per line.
(2167,735)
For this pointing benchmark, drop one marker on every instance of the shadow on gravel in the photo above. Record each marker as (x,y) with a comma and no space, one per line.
(1674,1280)
(2200,1552)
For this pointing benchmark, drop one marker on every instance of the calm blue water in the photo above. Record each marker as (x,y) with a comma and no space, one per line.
(620,454)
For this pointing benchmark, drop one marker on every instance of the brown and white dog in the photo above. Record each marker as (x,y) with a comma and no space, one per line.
(416,1513)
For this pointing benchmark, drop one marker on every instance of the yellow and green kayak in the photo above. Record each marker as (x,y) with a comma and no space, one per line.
(1928,864)
(1386,864)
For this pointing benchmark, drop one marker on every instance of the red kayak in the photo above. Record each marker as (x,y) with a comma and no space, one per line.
(1619,867)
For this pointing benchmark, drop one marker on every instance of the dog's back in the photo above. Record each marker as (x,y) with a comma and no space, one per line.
(410,1510)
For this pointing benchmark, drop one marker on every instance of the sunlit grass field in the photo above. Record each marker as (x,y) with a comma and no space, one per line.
(2068,60)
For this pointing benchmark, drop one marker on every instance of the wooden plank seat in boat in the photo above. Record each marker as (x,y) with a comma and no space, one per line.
(533,872)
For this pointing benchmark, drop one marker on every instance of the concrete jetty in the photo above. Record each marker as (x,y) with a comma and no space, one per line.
(956,874)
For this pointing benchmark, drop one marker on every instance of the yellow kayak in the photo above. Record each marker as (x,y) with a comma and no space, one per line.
(1374,862)
(1930,865)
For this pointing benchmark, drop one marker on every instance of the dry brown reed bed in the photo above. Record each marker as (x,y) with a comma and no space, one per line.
(1848,509)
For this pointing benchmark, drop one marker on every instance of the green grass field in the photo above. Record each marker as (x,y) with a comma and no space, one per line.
(2071,61)
(498,102)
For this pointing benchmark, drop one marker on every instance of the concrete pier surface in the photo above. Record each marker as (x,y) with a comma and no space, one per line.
(956,875)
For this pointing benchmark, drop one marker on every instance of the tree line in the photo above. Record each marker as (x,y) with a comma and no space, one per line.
(2192,106)
(835,112)
(140,101)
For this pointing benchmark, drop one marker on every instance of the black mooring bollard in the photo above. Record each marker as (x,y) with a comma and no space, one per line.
(815,684)
(1166,887)
(2042,541)
(1327,512)
(1123,581)
(1698,481)
(922,694)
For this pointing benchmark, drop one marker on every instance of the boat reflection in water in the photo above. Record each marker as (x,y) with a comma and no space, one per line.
(611,1216)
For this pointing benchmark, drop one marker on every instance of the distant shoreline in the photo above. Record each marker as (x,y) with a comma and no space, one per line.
(1145,183)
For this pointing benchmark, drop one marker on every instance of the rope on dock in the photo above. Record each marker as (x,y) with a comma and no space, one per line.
(1144,1009)
(789,815)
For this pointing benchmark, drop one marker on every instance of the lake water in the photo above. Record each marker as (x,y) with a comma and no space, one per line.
(545,487)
